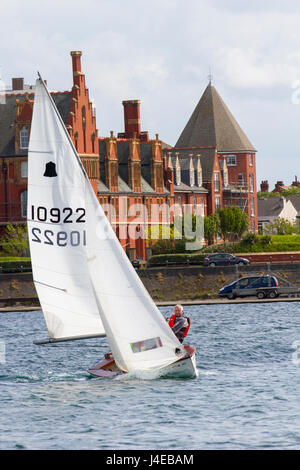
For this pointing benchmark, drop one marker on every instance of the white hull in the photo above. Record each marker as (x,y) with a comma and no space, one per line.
(184,368)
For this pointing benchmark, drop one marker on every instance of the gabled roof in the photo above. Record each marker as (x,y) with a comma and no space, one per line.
(212,124)
(269,206)
(207,158)
(123,156)
(295,200)
(8,116)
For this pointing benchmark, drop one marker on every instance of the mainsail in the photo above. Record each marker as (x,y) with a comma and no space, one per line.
(80,268)
(58,226)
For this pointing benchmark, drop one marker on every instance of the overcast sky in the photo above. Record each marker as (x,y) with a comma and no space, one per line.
(161,52)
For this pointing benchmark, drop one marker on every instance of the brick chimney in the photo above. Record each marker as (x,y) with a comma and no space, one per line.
(132,118)
(17,84)
(278,187)
(264,186)
(76,66)
(76,61)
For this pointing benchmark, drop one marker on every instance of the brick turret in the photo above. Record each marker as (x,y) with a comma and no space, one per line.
(264,186)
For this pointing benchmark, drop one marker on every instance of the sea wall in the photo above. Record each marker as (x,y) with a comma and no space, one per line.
(163,284)
(192,283)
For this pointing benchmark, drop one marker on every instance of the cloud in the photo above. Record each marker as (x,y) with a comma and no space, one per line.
(161,51)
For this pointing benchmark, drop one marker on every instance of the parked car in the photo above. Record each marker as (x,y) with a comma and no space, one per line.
(135,263)
(247,286)
(223,259)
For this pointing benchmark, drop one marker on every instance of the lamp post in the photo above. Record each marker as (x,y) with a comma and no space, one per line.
(4,171)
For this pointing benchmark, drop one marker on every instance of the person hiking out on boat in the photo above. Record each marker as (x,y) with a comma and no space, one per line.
(179,323)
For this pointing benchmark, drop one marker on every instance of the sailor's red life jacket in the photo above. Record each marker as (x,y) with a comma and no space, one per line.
(172,321)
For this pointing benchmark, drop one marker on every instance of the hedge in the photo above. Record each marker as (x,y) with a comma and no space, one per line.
(19,266)
(170,259)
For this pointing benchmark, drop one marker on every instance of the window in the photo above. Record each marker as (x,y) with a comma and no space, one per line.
(251,183)
(24,169)
(250,160)
(240,180)
(24,138)
(195,205)
(180,205)
(252,207)
(242,204)
(217,203)
(217,182)
(202,212)
(146,345)
(23,197)
(231,160)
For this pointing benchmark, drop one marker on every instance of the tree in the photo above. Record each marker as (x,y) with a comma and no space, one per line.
(211,227)
(233,222)
(280,226)
(15,240)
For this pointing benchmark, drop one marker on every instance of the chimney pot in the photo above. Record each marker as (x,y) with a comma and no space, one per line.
(132,118)
(76,61)
(18,83)
(264,186)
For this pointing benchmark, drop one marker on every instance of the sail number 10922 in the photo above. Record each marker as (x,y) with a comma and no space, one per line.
(56,215)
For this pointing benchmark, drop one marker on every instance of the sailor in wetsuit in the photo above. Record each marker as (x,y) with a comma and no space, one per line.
(179,323)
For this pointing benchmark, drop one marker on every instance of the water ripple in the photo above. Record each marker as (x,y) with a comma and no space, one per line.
(245,395)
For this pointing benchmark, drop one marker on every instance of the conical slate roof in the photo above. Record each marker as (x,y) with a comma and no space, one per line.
(212,124)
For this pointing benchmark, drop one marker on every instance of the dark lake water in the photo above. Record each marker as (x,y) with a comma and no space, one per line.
(246,395)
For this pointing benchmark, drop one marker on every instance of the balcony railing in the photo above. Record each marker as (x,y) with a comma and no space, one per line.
(238,187)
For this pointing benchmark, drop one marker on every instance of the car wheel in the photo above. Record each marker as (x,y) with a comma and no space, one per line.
(212,264)
(241,263)
(260,295)
(273,294)
(230,296)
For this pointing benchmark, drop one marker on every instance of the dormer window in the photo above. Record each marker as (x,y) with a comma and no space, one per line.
(24,139)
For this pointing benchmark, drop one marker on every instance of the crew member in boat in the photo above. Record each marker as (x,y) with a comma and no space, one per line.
(179,323)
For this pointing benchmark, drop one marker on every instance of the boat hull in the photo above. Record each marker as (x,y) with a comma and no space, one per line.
(184,367)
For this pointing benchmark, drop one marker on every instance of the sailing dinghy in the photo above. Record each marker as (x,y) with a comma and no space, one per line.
(86,284)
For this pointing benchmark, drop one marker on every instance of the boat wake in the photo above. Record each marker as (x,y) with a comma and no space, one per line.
(149,375)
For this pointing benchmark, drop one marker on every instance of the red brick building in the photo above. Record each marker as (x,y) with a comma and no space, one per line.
(213,144)
(138,180)
(127,172)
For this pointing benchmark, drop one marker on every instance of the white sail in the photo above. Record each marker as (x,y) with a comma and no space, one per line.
(138,334)
(58,225)
(83,269)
